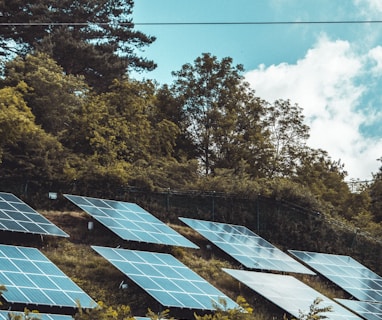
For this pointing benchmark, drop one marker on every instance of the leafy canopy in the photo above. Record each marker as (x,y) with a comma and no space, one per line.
(94,38)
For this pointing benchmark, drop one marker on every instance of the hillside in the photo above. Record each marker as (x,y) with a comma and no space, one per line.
(102,281)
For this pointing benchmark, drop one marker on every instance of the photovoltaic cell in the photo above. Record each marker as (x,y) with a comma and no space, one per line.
(289,293)
(17,216)
(41,316)
(130,222)
(31,278)
(166,279)
(246,247)
(347,273)
(366,309)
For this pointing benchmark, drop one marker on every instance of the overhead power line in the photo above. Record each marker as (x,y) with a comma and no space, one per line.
(191,23)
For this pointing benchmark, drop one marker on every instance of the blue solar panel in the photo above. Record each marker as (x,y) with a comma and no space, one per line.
(289,293)
(31,278)
(347,273)
(246,247)
(366,309)
(130,222)
(166,279)
(4,315)
(15,215)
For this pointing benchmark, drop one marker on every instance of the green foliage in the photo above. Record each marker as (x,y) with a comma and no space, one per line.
(283,189)
(26,151)
(16,118)
(221,114)
(163,174)
(324,178)
(35,156)
(52,95)
(230,181)
(288,136)
(376,196)
(98,41)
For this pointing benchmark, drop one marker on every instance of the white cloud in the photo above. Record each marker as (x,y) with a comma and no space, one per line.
(369,7)
(375,56)
(325,84)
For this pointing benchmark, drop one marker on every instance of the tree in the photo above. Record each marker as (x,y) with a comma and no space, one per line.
(52,95)
(27,151)
(118,131)
(221,113)
(171,109)
(15,116)
(94,38)
(288,135)
(324,177)
(115,125)
(375,191)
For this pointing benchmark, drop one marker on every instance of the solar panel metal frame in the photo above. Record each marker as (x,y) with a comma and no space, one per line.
(345,272)
(17,216)
(366,309)
(166,279)
(245,246)
(130,222)
(289,293)
(32,279)
(41,316)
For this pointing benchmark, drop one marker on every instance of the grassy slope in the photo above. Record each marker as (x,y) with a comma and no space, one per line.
(101,280)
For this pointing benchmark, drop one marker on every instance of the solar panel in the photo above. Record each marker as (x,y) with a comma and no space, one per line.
(289,293)
(246,247)
(4,315)
(347,273)
(16,215)
(31,278)
(166,279)
(366,309)
(130,222)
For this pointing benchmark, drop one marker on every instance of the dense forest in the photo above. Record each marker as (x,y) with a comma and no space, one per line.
(70,114)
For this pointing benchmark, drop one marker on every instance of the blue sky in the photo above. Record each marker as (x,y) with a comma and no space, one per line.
(332,71)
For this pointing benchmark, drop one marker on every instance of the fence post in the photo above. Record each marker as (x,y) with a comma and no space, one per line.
(213,205)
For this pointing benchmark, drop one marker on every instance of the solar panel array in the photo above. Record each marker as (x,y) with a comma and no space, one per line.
(289,293)
(4,315)
(31,278)
(347,273)
(16,215)
(166,279)
(130,222)
(245,246)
